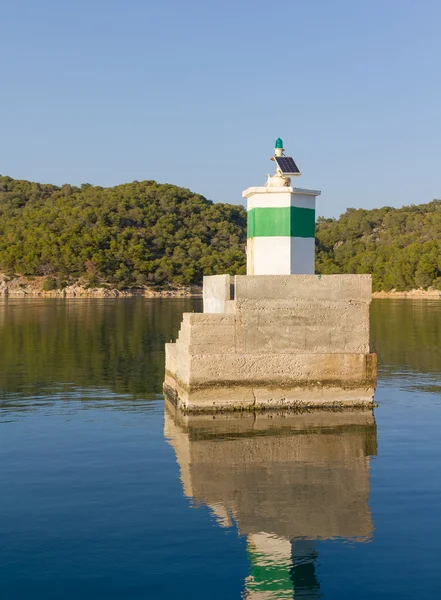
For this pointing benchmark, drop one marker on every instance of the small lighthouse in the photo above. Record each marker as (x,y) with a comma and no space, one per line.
(281,222)
(279,336)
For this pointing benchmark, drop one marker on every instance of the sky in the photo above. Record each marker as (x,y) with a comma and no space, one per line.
(195,93)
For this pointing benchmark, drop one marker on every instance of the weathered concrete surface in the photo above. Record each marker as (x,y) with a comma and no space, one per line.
(289,475)
(282,340)
(216,293)
(285,289)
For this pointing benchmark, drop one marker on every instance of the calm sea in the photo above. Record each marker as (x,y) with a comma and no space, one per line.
(106,493)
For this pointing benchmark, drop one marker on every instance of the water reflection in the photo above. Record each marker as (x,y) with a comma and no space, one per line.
(406,334)
(110,344)
(285,480)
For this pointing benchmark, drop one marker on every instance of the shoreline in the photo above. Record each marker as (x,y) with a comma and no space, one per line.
(410,294)
(102,293)
(22,287)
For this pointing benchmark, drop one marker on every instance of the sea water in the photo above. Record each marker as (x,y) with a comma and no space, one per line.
(105,492)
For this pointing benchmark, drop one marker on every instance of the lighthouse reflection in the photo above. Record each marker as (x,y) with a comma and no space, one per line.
(286,480)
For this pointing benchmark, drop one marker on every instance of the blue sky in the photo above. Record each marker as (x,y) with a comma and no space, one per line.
(196,92)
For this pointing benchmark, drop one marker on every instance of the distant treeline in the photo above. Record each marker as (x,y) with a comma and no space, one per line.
(401,247)
(145,233)
(136,234)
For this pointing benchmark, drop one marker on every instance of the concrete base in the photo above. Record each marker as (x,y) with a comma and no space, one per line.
(237,397)
(274,341)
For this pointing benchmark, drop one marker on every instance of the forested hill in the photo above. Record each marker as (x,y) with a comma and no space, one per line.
(400,247)
(136,234)
(144,233)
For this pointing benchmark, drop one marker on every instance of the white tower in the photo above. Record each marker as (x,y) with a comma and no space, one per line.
(281,223)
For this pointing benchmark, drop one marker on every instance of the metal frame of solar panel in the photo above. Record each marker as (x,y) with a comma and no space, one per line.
(287,165)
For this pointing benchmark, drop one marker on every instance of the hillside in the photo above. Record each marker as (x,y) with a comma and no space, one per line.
(158,235)
(400,247)
(136,234)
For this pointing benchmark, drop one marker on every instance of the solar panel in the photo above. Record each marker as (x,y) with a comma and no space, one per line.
(287,165)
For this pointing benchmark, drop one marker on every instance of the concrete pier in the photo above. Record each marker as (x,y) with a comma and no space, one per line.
(271,341)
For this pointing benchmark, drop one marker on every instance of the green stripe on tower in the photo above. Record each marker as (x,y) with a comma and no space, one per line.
(287,221)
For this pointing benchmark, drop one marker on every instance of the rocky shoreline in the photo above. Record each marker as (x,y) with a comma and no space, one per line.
(34,287)
(23,287)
